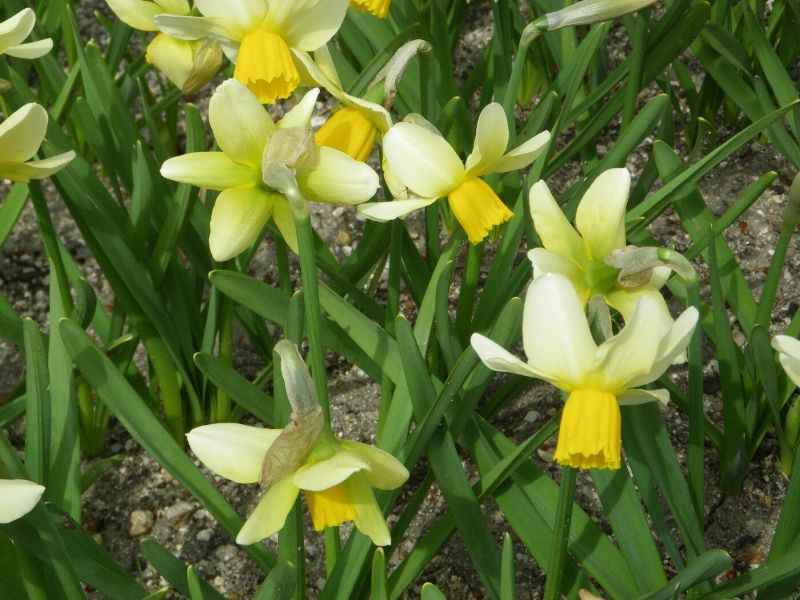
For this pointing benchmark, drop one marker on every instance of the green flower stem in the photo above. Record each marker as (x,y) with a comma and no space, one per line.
(222,403)
(469,285)
(284,274)
(392,309)
(313,310)
(558,556)
(291,547)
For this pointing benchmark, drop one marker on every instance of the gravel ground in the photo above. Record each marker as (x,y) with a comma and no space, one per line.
(155,506)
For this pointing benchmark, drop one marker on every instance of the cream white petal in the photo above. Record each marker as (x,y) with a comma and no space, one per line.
(788,349)
(171,56)
(499,359)
(637,396)
(332,471)
(600,218)
(555,332)
(239,215)
(424,161)
(270,514)
(385,471)
(22,133)
(368,517)
(491,140)
(315,25)
(234,451)
(17,498)
(545,261)
(35,169)
(324,63)
(243,14)
(555,231)
(300,115)
(523,155)
(197,28)
(175,7)
(672,345)
(660,276)
(394,209)
(338,178)
(284,220)
(31,50)
(16,28)
(240,124)
(137,13)
(210,170)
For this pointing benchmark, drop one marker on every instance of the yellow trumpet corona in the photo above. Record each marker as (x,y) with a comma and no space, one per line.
(350,131)
(379,8)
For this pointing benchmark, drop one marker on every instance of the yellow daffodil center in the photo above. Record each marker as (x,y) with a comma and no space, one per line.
(350,131)
(589,436)
(331,507)
(477,208)
(379,8)
(265,65)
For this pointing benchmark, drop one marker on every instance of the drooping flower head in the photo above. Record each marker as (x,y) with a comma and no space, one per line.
(422,161)
(17,498)
(262,37)
(379,8)
(13,32)
(581,253)
(21,134)
(189,64)
(561,350)
(246,135)
(336,476)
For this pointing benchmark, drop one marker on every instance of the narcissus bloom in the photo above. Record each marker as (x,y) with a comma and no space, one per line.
(581,255)
(561,350)
(13,32)
(17,498)
(424,162)
(245,133)
(788,349)
(262,37)
(21,134)
(187,64)
(379,8)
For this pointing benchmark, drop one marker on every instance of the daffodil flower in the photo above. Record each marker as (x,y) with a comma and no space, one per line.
(788,349)
(262,37)
(353,128)
(17,498)
(246,134)
(561,350)
(13,32)
(581,255)
(21,134)
(336,476)
(425,163)
(187,64)
(379,8)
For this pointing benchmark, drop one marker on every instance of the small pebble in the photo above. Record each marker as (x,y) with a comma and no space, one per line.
(204,535)
(141,522)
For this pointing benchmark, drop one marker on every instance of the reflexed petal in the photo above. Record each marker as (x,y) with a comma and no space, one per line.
(555,332)
(240,124)
(672,345)
(626,299)
(637,396)
(137,13)
(312,27)
(394,209)
(789,355)
(284,220)
(377,115)
(210,170)
(600,218)
(499,359)
(197,28)
(368,517)
(243,14)
(17,498)
(544,261)
(31,50)
(238,217)
(385,471)
(631,352)
(270,514)
(589,436)
(22,133)
(556,233)
(491,139)
(422,160)
(16,28)
(171,56)
(329,472)
(234,451)
(660,276)
(36,169)
(521,156)
(338,179)
(300,115)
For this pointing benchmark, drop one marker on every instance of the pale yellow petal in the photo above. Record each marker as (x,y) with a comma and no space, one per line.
(521,156)
(16,28)
(368,517)
(788,349)
(394,209)
(338,179)
(497,358)
(17,498)
(22,133)
(312,27)
(284,220)
(209,170)
(35,169)
(234,451)
(300,115)
(171,56)
(385,471)
(240,124)
(138,14)
(329,472)
(31,50)
(270,514)
(491,139)
(238,218)
(555,231)
(600,218)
